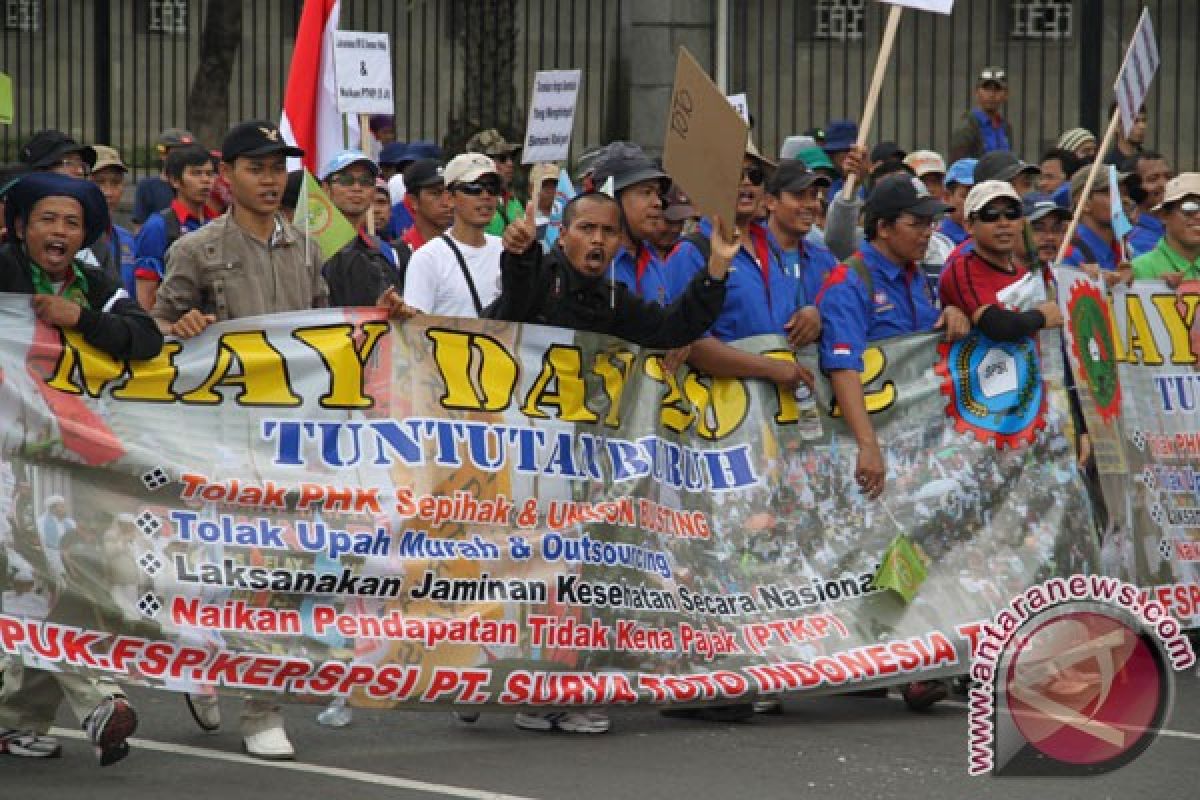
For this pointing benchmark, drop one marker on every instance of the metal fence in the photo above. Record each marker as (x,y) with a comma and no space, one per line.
(118,71)
(804,63)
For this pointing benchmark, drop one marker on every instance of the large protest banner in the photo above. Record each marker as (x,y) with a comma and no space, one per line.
(473,512)
(1135,354)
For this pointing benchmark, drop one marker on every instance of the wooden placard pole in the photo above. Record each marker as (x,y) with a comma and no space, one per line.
(1087,188)
(881,65)
(364,127)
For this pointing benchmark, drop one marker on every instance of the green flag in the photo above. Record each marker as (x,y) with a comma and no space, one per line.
(902,569)
(323,222)
(6,100)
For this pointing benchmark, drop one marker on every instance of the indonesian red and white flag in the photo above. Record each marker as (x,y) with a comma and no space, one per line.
(310,115)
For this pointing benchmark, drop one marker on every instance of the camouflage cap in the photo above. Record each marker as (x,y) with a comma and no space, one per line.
(491,143)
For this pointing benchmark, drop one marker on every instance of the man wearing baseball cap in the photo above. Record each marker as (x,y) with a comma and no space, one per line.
(1176,257)
(878,293)
(984,129)
(639,186)
(503,153)
(366,267)
(1047,220)
(54,151)
(958,182)
(114,249)
(154,192)
(248,262)
(457,274)
(989,284)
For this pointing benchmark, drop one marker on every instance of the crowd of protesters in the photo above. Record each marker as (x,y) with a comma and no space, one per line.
(928,243)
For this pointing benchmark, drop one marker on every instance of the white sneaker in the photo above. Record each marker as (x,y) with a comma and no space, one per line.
(566,721)
(28,744)
(205,711)
(263,736)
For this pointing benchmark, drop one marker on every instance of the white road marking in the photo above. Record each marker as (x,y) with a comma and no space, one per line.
(299,766)
(1165,732)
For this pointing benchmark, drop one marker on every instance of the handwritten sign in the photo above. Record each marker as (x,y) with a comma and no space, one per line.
(362,66)
(551,116)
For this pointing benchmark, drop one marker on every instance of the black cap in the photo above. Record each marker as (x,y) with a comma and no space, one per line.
(903,193)
(887,150)
(256,137)
(47,148)
(794,176)
(26,192)
(424,173)
(626,164)
(1001,165)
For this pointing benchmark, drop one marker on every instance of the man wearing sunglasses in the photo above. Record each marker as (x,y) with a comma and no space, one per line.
(989,284)
(764,293)
(503,154)
(457,274)
(1176,257)
(366,266)
(984,129)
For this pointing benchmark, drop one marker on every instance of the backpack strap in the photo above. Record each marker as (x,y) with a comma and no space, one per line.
(174,227)
(856,263)
(462,263)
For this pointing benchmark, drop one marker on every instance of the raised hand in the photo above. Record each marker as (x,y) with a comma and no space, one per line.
(521,234)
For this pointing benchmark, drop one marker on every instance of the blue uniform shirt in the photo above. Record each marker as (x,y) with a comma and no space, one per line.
(1146,234)
(122,243)
(810,264)
(754,304)
(400,221)
(953,231)
(900,302)
(150,246)
(1101,251)
(652,286)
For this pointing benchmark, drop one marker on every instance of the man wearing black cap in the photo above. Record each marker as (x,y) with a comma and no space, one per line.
(639,186)
(54,151)
(886,153)
(429,202)
(984,129)
(52,217)
(794,204)
(247,262)
(878,293)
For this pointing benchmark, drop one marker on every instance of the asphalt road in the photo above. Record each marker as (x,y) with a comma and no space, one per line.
(835,747)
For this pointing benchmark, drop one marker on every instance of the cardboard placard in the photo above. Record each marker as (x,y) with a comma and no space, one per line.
(551,115)
(362,66)
(706,141)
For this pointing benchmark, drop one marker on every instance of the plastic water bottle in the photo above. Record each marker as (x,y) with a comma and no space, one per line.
(809,422)
(337,714)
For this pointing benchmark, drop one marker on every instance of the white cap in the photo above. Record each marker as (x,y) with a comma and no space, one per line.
(1179,187)
(925,162)
(468,167)
(985,192)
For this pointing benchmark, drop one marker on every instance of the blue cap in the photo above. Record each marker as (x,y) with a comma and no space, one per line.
(348,158)
(423,149)
(961,172)
(23,195)
(394,153)
(840,134)
(1037,205)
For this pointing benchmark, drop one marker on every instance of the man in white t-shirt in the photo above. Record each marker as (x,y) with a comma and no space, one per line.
(458,274)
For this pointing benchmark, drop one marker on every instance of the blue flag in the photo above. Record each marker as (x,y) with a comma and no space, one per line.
(562,195)
(1120,223)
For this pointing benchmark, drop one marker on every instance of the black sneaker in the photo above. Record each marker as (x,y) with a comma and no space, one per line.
(922,695)
(108,726)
